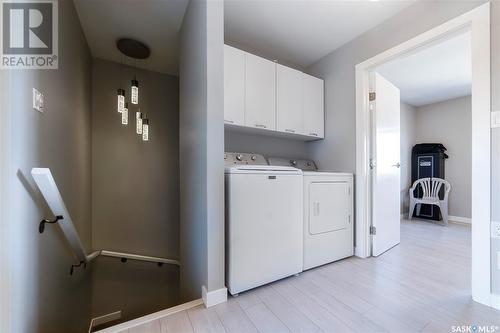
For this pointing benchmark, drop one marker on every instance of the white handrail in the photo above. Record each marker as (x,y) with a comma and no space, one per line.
(132,256)
(47,185)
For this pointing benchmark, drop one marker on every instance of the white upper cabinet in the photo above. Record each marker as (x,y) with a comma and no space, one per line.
(289,100)
(260,85)
(313,106)
(260,95)
(234,86)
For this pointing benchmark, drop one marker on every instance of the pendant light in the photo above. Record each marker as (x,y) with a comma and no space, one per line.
(138,51)
(125,114)
(135,91)
(121,100)
(145,129)
(138,122)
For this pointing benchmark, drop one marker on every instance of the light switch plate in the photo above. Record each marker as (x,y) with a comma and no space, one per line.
(37,100)
(495,119)
(495,230)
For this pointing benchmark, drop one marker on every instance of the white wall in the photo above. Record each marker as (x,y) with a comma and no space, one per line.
(201,149)
(408,120)
(449,123)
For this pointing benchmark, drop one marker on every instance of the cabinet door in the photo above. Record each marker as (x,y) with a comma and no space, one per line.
(289,100)
(329,207)
(234,86)
(260,86)
(313,106)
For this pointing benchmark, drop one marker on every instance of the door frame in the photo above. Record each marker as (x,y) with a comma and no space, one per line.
(478,22)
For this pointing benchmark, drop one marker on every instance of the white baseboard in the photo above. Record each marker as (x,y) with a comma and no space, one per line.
(104,319)
(146,319)
(451,218)
(211,298)
(459,219)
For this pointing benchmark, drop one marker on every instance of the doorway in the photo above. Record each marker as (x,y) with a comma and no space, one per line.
(477,21)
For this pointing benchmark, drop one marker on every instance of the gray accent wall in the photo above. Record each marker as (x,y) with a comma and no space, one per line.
(135,184)
(135,191)
(450,123)
(41,295)
(201,149)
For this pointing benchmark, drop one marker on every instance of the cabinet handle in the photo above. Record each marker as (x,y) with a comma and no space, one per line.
(290,130)
(313,134)
(260,125)
(229,121)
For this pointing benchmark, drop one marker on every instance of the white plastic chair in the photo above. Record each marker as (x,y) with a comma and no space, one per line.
(430,188)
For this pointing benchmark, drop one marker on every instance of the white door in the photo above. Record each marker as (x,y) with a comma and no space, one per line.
(329,207)
(289,100)
(234,86)
(313,106)
(260,92)
(386,188)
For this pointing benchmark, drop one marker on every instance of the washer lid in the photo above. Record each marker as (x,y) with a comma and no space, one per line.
(326,174)
(266,169)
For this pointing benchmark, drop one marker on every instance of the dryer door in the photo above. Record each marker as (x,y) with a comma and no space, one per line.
(328,207)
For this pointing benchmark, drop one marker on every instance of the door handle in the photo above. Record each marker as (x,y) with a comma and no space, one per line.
(397,165)
(260,126)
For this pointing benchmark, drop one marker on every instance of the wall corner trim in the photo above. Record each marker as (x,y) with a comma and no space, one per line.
(211,298)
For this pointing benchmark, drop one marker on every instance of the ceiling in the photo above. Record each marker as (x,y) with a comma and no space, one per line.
(437,73)
(153,22)
(300,32)
(297,32)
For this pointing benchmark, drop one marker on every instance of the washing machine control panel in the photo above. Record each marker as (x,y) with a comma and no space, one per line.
(243,159)
(304,165)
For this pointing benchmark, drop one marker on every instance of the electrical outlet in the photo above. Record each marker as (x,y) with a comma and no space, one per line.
(495,230)
(37,100)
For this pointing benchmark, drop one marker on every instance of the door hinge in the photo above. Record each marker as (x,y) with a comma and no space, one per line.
(373,230)
(372,96)
(373,164)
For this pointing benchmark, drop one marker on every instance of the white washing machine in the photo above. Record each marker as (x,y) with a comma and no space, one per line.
(263,221)
(328,213)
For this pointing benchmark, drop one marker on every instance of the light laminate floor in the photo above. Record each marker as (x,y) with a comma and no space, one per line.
(421,285)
